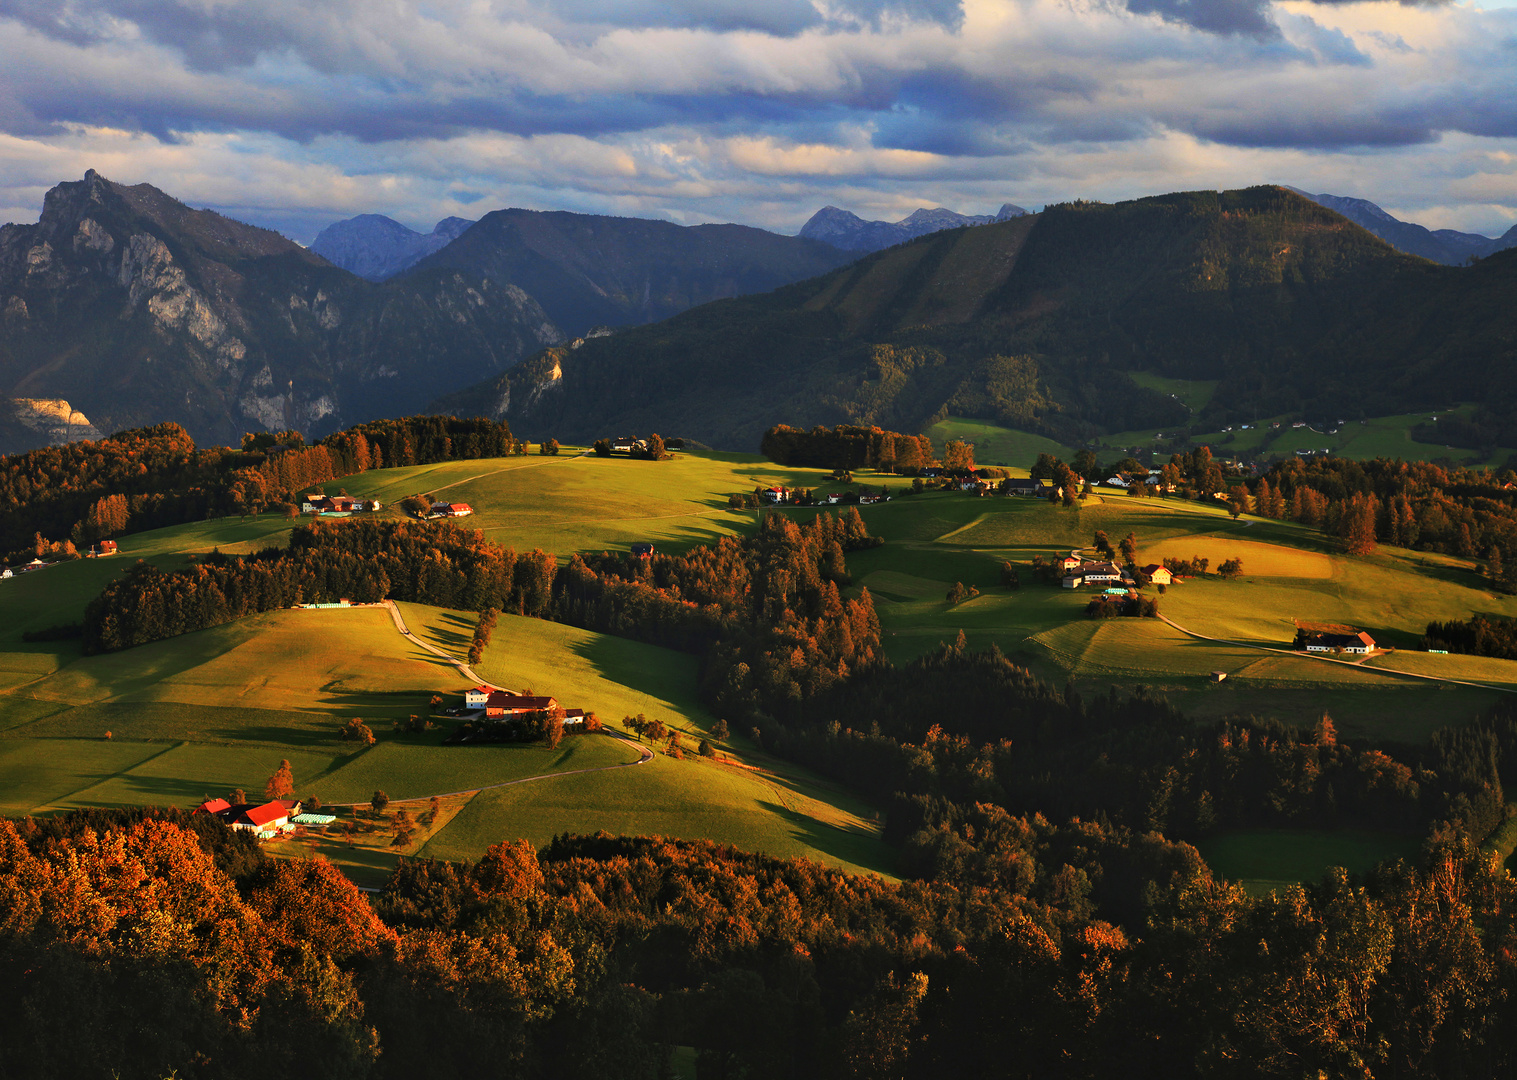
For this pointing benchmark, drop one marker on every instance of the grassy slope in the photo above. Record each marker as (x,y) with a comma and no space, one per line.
(210,710)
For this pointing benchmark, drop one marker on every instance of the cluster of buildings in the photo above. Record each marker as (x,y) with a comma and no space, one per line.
(275,818)
(504,705)
(1077,571)
(451,509)
(335,505)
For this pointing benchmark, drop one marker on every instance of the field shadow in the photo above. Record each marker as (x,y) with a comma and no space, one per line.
(854,844)
(660,673)
(452,631)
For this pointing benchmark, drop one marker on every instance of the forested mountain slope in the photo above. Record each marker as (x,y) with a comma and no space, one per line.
(137,309)
(588,270)
(1033,322)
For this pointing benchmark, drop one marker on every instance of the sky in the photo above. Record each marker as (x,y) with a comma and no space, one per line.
(296,113)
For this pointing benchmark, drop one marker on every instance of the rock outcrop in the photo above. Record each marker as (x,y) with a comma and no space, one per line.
(139,309)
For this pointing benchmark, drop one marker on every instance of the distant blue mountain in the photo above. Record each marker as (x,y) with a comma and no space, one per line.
(1445,246)
(849,232)
(376,247)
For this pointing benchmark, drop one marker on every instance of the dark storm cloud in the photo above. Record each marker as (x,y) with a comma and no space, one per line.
(1247,17)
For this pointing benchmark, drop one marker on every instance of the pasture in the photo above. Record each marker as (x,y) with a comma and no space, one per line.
(200,714)
(1267,860)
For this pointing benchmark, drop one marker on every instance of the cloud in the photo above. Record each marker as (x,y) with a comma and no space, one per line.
(718,109)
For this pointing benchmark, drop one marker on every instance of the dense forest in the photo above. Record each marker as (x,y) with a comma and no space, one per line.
(153,477)
(140,945)
(1053,920)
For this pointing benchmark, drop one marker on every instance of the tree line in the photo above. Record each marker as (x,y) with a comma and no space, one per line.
(149,478)
(1075,950)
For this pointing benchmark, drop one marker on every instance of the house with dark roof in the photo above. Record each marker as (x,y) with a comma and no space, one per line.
(643,551)
(1360,644)
(1159,574)
(1023,487)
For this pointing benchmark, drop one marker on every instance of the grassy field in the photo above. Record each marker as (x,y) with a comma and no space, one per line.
(1263,860)
(1194,394)
(994,445)
(205,712)
(936,539)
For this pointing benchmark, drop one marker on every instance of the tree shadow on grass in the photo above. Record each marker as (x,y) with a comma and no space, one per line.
(856,844)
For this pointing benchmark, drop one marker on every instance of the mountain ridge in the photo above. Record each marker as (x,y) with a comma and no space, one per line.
(846,230)
(376,247)
(137,308)
(1447,246)
(589,270)
(1033,322)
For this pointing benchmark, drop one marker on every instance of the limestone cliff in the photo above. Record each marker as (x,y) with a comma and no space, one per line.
(138,309)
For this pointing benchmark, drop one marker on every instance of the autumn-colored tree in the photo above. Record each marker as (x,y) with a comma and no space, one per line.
(237,797)
(404,828)
(1357,525)
(379,801)
(434,807)
(1129,548)
(1237,500)
(282,784)
(719,731)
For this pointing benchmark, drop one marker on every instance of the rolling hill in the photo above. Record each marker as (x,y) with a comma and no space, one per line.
(1034,323)
(587,270)
(137,309)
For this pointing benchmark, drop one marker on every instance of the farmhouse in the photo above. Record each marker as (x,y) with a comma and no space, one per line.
(1074,580)
(476,697)
(104,547)
(1022,487)
(1359,644)
(1100,572)
(502,705)
(777,494)
(213,806)
(1159,574)
(452,509)
(1069,562)
(643,551)
(1331,637)
(622,444)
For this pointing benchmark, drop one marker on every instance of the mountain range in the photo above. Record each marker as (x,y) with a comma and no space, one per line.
(1035,322)
(137,309)
(846,230)
(377,247)
(588,270)
(1445,246)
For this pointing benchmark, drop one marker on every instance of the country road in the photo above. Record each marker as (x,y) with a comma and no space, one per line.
(645,754)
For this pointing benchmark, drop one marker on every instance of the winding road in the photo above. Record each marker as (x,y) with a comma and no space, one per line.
(645,754)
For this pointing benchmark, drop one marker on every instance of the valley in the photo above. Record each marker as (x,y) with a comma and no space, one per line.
(192,716)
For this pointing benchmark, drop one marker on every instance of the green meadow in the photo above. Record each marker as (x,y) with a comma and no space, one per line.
(178,720)
(1266,860)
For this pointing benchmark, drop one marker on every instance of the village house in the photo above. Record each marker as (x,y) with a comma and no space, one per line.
(643,551)
(1360,644)
(266,821)
(442,509)
(777,494)
(622,445)
(1023,487)
(1101,572)
(476,697)
(502,705)
(103,548)
(1069,562)
(1159,574)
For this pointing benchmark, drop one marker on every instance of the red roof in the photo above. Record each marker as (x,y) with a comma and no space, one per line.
(456,507)
(262,815)
(213,806)
(517,702)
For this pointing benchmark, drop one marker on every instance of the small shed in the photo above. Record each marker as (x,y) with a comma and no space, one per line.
(1218,676)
